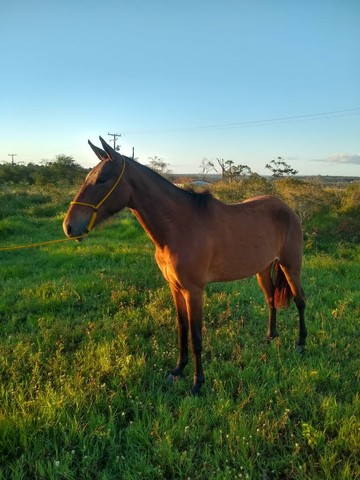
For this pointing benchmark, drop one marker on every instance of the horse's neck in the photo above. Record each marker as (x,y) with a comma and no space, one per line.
(157,205)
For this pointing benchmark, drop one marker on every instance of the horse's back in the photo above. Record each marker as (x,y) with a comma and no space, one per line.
(256,210)
(269,210)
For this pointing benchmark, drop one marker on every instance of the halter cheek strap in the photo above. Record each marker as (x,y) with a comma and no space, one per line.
(95,207)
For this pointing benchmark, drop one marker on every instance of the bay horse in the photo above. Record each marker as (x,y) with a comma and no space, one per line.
(198,240)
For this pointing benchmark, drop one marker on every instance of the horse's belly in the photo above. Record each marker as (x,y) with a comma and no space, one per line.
(235,266)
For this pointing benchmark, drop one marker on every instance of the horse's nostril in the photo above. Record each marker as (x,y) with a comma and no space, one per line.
(68,229)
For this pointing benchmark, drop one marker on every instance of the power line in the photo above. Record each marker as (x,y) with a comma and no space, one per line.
(293,117)
(308,116)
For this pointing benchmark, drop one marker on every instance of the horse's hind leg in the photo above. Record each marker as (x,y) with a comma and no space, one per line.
(266,284)
(293,278)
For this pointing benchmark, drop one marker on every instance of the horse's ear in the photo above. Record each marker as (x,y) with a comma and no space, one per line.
(99,152)
(112,154)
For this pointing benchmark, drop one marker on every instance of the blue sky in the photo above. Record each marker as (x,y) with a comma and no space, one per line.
(240,80)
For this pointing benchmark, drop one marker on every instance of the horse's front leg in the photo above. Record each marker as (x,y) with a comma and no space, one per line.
(183,330)
(194,309)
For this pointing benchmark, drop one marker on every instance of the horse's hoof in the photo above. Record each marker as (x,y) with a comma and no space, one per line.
(170,379)
(270,338)
(300,349)
(173,376)
(195,391)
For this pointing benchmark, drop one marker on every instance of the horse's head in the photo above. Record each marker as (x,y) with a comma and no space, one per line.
(104,192)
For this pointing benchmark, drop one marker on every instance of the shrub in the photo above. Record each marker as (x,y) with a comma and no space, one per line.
(63,169)
(351,197)
(307,197)
(255,185)
(247,187)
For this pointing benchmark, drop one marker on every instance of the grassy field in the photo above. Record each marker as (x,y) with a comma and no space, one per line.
(88,334)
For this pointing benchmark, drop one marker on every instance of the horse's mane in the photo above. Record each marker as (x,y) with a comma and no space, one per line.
(199,200)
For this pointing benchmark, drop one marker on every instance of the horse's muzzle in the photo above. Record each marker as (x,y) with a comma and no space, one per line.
(72,232)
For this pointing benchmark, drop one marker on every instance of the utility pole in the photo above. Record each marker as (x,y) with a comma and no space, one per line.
(115,137)
(12,155)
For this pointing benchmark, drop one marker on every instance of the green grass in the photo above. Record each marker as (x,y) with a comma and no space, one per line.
(88,334)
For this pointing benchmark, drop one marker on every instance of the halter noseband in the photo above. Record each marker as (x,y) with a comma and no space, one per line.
(95,207)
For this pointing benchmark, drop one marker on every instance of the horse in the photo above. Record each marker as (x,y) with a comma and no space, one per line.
(198,240)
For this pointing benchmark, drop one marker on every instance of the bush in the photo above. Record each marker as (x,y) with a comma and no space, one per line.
(307,197)
(251,186)
(63,169)
(351,197)
(228,192)
(256,185)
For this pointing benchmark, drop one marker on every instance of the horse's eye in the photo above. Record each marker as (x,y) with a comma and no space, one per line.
(101,180)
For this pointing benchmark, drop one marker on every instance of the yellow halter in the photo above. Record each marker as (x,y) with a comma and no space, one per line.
(95,207)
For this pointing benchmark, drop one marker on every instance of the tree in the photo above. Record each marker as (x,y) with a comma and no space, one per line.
(160,166)
(279,168)
(62,169)
(205,168)
(229,171)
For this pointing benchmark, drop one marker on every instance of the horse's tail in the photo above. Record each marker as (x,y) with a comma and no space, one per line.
(282,293)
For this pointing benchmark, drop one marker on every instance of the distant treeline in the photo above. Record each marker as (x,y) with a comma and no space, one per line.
(63,169)
(185,178)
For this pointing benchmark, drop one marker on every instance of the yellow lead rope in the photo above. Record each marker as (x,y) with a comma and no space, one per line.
(32,245)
